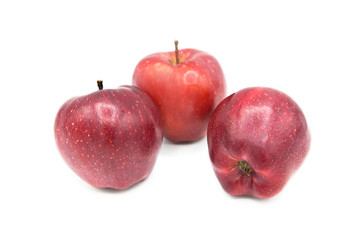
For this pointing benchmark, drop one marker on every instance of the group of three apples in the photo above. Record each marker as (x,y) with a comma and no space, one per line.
(257,137)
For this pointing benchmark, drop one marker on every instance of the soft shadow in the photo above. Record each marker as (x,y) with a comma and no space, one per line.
(168,142)
(172,149)
(118,191)
(247,197)
(255,199)
(252,198)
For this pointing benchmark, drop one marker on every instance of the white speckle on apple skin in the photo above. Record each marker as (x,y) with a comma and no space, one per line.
(191,77)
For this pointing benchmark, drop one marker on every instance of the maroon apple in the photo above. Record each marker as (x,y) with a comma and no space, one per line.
(257,138)
(186,85)
(110,138)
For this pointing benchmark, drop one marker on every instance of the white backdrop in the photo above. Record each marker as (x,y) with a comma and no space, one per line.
(51,51)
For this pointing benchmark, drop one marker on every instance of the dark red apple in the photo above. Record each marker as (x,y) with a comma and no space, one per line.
(257,138)
(110,138)
(186,85)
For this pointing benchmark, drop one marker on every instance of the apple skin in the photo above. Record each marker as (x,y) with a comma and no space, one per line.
(257,138)
(110,138)
(185,93)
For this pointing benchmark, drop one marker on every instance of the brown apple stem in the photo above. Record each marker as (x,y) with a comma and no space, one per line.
(245,167)
(177,52)
(100,84)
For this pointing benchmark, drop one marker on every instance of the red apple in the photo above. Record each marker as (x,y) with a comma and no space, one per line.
(257,138)
(110,138)
(186,85)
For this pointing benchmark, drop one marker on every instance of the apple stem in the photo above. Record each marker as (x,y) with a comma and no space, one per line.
(245,167)
(177,52)
(100,84)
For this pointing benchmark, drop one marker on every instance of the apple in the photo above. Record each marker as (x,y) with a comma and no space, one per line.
(186,85)
(110,138)
(257,138)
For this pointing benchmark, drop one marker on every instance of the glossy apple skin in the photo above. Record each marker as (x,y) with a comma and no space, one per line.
(110,138)
(185,93)
(263,127)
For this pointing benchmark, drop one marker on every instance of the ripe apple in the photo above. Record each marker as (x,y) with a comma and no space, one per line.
(257,138)
(110,138)
(186,85)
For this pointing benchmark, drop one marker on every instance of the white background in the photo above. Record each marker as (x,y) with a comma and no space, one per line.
(51,51)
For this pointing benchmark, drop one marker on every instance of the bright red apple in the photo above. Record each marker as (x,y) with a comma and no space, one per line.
(257,138)
(110,138)
(186,85)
